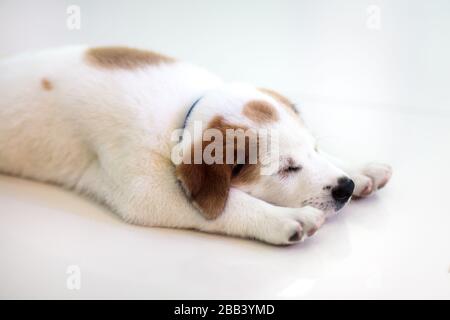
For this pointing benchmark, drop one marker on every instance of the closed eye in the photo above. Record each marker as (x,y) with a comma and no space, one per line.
(291,169)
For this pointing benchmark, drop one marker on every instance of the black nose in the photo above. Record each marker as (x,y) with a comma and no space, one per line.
(344,190)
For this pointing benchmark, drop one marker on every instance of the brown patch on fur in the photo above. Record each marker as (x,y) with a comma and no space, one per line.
(124,58)
(46,84)
(260,111)
(242,173)
(280,98)
(208,185)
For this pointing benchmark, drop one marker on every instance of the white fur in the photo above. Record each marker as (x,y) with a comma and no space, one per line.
(107,133)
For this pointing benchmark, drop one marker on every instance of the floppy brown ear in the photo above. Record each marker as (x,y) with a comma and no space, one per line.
(207,185)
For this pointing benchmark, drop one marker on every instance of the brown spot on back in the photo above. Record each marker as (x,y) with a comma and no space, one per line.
(46,84)
(260,111)
(124,58)
(280,98)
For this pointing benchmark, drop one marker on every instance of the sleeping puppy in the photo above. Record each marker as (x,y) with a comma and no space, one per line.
(149,136)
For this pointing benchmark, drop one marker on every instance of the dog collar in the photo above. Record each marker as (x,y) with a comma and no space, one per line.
(186,118)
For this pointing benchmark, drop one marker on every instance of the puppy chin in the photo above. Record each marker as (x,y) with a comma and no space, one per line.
(329,207)
(332,208)
(331,212)
(338,206)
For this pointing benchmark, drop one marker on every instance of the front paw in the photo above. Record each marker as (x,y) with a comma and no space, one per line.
(292,225)
(311,219)
(283,230)
(371,178)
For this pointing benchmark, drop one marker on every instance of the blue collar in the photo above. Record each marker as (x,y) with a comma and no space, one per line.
(189,112)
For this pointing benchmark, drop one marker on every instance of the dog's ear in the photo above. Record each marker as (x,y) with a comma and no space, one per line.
(207,185)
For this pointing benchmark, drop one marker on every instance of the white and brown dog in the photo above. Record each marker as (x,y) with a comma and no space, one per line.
(101,121)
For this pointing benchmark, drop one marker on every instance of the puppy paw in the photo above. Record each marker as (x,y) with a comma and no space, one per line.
(311,219)
(371,178)
(284,231)
(292,225)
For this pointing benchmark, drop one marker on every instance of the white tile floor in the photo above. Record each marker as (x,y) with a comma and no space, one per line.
(393,245)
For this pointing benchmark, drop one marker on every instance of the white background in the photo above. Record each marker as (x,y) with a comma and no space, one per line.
(370,94)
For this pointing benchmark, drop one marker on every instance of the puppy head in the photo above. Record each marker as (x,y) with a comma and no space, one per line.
(254,140)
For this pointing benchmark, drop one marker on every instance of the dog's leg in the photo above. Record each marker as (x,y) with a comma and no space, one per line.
(246,216)
(368,178)
(149,194)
